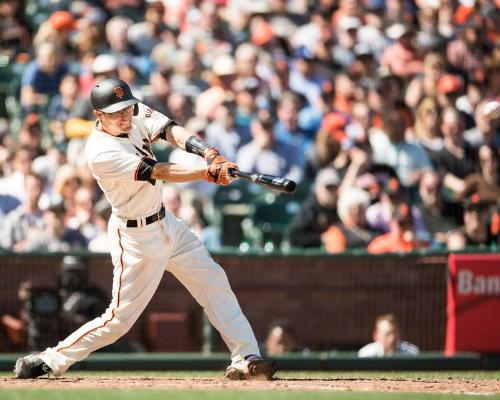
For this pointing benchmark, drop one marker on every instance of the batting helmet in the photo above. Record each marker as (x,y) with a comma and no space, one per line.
(111,95)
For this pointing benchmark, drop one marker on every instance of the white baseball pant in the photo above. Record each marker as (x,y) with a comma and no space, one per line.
(140,256)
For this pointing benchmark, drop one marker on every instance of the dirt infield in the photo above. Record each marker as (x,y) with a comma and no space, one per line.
(426,385)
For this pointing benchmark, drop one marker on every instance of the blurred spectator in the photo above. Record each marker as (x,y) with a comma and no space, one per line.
(486,182)
(458,158)
(186,79)
(99,243)
(467,52)
(390,147)
(61,105)
(287,127)
(54,237)
(171,198)
(426,131)
(381,214)
(478,229)
(353,231)
(266,154)
(281,339)
(386,340)
(425,85)
(222,133)
(402,236)
(56,29)
(304,79)
(487,124)
(42,77)
(146,34)
(14,32)
(402,58)
(13,183)
(83,217)
(343,50)
(449,89)
(318,213)
(439,216)
(31,135)
(76,302)
(18,223)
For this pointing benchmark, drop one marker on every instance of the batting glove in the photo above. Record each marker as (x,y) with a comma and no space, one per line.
(218,171)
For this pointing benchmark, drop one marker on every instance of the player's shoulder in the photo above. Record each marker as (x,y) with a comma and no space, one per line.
(98,143)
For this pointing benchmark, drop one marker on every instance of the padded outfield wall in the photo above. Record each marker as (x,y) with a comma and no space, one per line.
(331,301)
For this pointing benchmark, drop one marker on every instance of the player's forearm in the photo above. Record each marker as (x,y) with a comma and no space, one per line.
(178,136)
(177,173)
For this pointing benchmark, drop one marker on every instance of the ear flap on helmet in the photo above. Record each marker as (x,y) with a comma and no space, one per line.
(136,109)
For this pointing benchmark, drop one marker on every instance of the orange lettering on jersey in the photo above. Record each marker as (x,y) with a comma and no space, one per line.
(119,92)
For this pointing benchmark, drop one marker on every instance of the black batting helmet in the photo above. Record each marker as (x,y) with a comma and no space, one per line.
(111,95)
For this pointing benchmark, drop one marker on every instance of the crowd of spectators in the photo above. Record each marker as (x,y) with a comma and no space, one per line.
(390,107)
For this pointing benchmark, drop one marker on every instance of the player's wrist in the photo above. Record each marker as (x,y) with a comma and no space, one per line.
(198,146)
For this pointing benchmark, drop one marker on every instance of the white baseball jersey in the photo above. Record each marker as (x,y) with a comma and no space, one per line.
(141,254)
(117,163)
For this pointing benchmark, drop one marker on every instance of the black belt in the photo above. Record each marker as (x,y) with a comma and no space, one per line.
(133,223)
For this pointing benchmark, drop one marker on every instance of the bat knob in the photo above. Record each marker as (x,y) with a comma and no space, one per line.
(290,186)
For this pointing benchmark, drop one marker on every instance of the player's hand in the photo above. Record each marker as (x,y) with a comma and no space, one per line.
(218,171)
(211,154)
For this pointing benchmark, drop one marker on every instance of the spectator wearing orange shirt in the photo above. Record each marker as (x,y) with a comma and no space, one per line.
(401,238)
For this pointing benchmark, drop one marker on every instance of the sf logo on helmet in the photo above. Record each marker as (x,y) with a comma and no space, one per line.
(119,92)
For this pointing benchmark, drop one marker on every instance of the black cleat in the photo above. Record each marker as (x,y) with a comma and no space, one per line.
(252,367)
(30,367)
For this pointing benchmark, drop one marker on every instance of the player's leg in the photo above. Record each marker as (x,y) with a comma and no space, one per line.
(207,282)
(139,260)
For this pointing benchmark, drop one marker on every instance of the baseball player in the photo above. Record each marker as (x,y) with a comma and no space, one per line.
(145,240)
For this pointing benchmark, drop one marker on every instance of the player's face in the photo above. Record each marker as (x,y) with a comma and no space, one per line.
(119,121)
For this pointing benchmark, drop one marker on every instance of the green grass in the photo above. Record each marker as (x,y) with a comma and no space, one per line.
(136,394)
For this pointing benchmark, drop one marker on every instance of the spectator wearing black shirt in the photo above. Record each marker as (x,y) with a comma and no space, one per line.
(318,213)
(438,216)
(458,158)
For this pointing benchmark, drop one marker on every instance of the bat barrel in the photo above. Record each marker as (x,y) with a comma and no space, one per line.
(273,182)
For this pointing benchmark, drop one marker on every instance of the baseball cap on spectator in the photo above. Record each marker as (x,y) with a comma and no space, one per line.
(374,5)
(362,50)
(104,63)
(334,123)
(61,20)
(449,83)
(95,15)
(304,53)
(262,33)
(347,23)
(327,177)
(223,65)
(474,203)
(398,30)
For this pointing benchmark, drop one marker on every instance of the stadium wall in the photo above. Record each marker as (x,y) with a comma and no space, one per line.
(331,301)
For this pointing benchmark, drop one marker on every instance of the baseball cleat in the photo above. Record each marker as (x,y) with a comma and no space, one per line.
(251,367)
(30,367)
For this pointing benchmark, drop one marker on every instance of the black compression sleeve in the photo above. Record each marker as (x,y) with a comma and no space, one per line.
(144,169)
(197,146)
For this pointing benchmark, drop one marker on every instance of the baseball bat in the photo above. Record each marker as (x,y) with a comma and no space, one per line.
(273,182)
